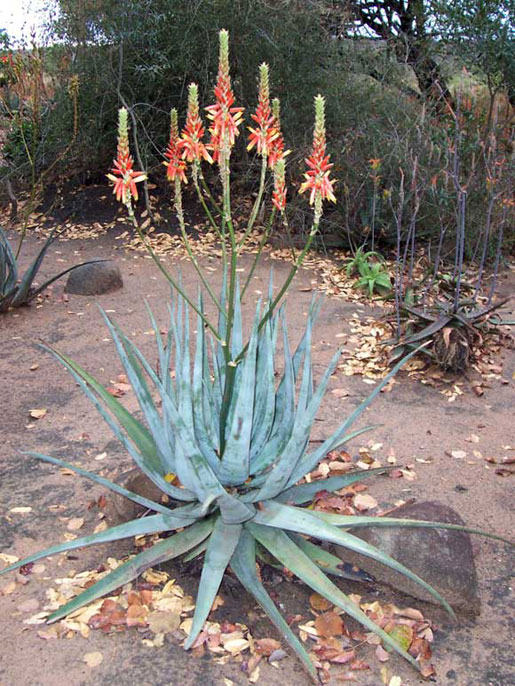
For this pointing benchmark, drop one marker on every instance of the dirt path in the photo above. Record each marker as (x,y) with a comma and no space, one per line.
(417,422)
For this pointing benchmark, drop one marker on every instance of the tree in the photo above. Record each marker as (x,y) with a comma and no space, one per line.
(407,28)
(483,34)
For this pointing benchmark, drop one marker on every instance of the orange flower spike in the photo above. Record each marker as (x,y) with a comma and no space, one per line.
(122,175)
(263,136)
(224,116)
(277,151)
(176,166)
(190,144)
(317,177)
(279,192)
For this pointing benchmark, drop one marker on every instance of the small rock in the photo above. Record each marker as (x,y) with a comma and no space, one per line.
(94,279)
(118,509)
(443,558)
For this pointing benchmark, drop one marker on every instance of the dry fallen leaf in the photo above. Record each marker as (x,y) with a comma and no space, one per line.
(236,645)
(381,654)
(363,501)
(75,523)
(318,602)
(266,646)
(37,413)
(339,393)
(93,659)
(458,454)
(164,622)
(29,605)
(8,588)
(8,559)
(329,624)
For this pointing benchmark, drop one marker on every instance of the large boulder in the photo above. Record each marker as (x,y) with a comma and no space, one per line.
(442,557)
(95,278)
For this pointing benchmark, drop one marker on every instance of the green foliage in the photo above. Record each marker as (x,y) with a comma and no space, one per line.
(359,262)
(148,51)
(228,465)
(372,274)
(38,113)
(374,277)
(483,37)
(16,291)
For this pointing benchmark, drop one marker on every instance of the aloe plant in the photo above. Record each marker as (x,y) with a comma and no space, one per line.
(449,334)
(16,291)
(372,275)
(230,465)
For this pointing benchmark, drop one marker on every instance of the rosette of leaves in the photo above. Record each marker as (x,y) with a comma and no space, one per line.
(449,333)
(16,291)
(372,276)
(229,464)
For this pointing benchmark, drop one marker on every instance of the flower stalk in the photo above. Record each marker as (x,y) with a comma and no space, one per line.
(188,150)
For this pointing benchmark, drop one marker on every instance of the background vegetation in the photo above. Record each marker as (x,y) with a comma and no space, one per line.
(418,92)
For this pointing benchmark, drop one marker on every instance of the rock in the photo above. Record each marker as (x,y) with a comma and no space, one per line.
(443,558)
(119,509)
(94,279)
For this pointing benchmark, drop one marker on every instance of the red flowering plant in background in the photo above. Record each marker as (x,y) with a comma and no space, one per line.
(122,174)
(318,181)
(176,165)
(225,117)
(263,135)
(277,151)
(193,150)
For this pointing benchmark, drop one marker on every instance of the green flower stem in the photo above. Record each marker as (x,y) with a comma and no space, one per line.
(295,268)
(205,207)
(260,250)
(226,184)
(208,193)
(257,203)
(230,370)
(170,279)
(180,216)
(210,217)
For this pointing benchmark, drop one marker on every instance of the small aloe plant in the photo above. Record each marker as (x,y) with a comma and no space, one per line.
(225,442)
(15,292)
(372,276)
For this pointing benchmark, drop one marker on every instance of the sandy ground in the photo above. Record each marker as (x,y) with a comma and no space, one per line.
(417,422)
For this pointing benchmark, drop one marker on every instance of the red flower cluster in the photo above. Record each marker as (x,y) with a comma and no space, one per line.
(124,177)
(266,132)
(190,144)
(279,192)
(122,174)
(277,151)
(317,177)
(176,166)
(225,118)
